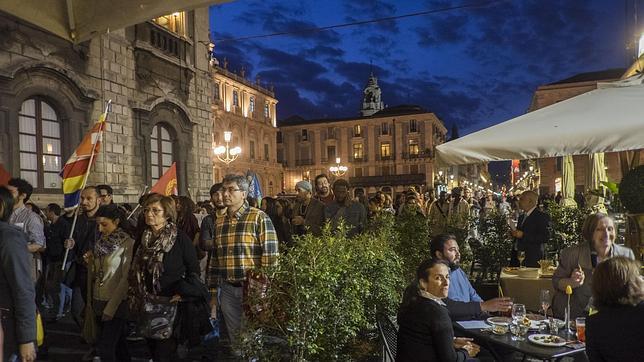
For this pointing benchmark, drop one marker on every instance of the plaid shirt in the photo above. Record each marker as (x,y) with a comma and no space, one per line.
(245,241)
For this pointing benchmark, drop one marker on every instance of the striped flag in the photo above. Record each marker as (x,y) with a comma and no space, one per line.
(78,165)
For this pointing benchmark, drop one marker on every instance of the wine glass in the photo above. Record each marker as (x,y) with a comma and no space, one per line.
(518,314)
(521,257)
(545,301)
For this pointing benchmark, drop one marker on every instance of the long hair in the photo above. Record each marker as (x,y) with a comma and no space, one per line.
(6,203)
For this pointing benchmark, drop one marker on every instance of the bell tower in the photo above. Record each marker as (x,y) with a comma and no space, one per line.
(371,102)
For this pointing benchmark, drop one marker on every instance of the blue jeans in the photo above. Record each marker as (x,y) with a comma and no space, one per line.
(231,308)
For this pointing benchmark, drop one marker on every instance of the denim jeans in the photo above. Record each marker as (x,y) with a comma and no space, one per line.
(231,308)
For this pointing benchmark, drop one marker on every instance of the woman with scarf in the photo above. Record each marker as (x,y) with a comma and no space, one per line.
(109,265)
(165,255)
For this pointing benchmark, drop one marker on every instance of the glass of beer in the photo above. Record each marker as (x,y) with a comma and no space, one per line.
(581,329)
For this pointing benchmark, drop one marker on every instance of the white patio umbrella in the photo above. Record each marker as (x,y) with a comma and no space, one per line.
(607,119)
(80,20)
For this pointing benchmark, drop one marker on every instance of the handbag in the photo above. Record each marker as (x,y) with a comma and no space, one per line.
(157,317)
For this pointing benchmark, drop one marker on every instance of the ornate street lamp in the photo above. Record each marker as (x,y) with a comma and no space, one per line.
(226,154)
(338,170)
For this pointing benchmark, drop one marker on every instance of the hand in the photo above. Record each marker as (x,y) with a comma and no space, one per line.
(472,349)
(106,317)
(460,342)
(27,352)
(497,305)
(517,234)
(175,298)
(298,220)
(69,243)
(34,248)
(87,257)
(578,276)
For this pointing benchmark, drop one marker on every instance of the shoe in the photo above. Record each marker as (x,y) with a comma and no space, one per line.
(134,337)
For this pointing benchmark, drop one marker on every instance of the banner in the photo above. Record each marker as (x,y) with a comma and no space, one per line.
(167,184)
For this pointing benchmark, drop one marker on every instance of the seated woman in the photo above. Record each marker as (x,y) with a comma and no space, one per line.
(425,329)
(576,264)
(615,332)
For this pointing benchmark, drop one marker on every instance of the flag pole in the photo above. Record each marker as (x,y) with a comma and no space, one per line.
(89,167)
(138,204)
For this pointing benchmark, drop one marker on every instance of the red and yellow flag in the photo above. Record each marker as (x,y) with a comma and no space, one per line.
(77,166)
(5,176)
(167,184)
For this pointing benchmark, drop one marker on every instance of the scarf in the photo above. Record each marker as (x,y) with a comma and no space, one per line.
(149,262)
(107,244)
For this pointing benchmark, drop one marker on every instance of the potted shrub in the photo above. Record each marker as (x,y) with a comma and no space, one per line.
(631,194)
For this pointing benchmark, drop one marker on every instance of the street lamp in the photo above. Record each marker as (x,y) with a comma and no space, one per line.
(338,170)
(226,154)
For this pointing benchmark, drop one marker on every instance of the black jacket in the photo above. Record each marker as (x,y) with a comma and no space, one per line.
(56,235)
(535,236)
(616,334)
(17,296)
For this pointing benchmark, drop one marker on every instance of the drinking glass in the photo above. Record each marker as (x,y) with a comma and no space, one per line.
(581,329)
(554,326)
(518,312)
(521,257)
(545,301)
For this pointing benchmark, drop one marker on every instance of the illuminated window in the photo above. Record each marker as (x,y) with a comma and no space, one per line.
(235,98)
(251,105)
(267,113)
(385,149)
(357,131)
(357,151)
(413,147)
(175,22)
(161,155)
(40,144)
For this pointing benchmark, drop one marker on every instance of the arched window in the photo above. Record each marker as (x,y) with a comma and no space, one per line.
(40,144)
(161,155)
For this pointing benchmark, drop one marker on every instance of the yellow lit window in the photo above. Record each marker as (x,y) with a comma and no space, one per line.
(175,22)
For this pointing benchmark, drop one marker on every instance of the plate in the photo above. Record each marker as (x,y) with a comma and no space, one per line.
(535,320)
(547,340)
(503,321)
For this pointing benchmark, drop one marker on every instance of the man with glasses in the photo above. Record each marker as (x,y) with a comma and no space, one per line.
(245,239)
(105,193)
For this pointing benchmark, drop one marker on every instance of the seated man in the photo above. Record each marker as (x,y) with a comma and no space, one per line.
(444,247)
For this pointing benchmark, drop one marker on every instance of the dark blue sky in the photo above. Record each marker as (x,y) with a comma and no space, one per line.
(474,67)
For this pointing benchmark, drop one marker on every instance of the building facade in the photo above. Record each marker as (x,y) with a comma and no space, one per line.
(248,110)
(550,169)
(157,75)
(388,150)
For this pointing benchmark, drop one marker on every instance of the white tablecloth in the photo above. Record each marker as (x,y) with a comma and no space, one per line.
(526,290)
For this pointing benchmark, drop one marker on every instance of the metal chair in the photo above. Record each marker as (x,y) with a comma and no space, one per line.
(389,334)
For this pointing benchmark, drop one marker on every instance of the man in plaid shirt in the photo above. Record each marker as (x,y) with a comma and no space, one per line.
(245,238)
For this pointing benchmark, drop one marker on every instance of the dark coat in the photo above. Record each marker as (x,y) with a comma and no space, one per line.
(17,295)
(535,236)
(616,334)
(313,217)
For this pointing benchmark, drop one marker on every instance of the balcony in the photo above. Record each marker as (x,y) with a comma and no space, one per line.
(305,162)
(359,159)
(390,180)
(384,158)
(411,156)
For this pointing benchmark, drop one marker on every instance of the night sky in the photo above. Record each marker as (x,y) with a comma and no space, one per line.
(473,66)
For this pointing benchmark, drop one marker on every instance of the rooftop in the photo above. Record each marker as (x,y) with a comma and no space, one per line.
(607,74)
(400,110)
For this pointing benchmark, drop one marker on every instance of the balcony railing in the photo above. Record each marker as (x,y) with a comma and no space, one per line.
(305,162)
(384,158)
(359,159)
(424,154)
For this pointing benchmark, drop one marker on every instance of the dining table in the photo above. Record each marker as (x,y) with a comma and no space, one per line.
(525,290)
(502,343)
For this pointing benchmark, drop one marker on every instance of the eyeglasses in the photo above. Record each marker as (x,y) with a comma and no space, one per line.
(103,195)
(230,190)
(153,211)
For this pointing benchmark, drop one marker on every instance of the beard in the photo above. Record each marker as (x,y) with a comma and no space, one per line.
(453,265)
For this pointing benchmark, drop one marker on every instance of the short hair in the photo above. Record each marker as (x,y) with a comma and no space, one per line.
(6,203)
(167,203)
(341,182)
(91,188)
(23,186)
(107,188)
(322,175)
(55,208)
(422,273)
(616,282)
(215,188)
(437,243)
(590,224)
(241,181)
(112,212)
(533,195)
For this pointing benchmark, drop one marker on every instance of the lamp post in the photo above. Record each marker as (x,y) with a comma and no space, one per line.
(338,170)
(226,154)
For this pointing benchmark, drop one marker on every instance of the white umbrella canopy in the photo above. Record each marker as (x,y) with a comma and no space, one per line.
(80,20)
(607,119)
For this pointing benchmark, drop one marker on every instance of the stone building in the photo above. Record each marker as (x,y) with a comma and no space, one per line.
(248,110)
(388,150)
(157,75)
(551,168)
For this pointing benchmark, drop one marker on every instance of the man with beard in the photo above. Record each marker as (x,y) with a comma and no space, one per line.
(323,189)
(444,247)
(308,213)
(343,208)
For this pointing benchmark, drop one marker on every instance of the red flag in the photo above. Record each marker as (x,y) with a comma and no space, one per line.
(5,176)
(167,184)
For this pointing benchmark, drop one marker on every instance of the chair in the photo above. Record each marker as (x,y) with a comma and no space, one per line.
(389,334)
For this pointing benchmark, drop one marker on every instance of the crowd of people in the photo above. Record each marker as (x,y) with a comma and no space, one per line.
(164,269)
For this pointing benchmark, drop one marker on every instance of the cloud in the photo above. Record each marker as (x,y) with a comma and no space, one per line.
(371,10)
(442,30)
(357,73)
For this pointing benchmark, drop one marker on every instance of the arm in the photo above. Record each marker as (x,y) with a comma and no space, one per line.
(15,262)
(463,311)
(207,236)
(561,277)
(36,232)
(267,238)
(120,292)
(442,336)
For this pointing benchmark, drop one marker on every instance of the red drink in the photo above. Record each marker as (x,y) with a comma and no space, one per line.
(581,329)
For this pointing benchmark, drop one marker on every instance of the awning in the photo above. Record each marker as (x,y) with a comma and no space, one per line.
(80,20)
(607,119)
